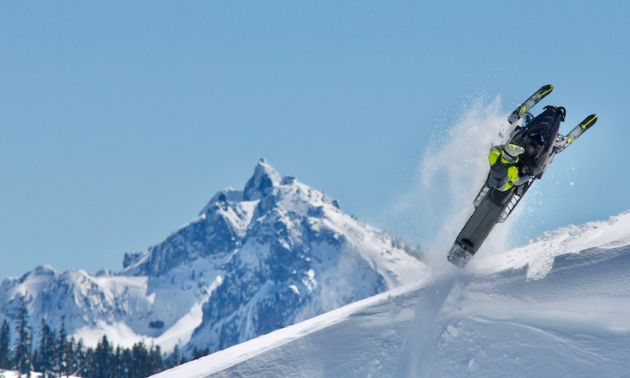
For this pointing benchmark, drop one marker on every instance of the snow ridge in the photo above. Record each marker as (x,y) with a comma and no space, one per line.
(503,318)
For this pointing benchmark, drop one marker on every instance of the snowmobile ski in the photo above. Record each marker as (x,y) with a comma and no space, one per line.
(563,141)
(529,103)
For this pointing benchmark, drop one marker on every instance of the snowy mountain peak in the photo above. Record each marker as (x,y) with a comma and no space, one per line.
(44,270)
(226,195)
(264,177)
(252,261)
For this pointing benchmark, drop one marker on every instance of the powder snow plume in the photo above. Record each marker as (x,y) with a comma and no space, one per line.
(452,169)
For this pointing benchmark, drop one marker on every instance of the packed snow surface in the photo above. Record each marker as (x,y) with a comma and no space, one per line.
(556,307)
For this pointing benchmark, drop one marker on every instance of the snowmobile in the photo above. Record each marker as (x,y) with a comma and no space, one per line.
(541,141)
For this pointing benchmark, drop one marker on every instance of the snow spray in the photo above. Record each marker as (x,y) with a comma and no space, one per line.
(452,170)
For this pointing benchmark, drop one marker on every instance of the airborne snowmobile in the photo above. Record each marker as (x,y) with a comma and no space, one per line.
(541,141)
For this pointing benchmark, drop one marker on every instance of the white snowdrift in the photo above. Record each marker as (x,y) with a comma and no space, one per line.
(559,306)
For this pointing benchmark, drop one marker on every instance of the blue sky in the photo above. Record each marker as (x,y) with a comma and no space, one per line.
(120,120)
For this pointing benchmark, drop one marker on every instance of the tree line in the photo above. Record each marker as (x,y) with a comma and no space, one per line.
(59,355)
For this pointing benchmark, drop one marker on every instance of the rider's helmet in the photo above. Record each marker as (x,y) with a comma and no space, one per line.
(511,152)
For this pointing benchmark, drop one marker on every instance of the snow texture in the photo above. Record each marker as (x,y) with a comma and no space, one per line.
(557,307)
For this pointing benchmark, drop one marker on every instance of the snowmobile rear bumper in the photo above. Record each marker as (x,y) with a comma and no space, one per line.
(459,255)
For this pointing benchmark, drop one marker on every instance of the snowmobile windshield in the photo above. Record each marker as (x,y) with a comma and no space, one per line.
(535,144)
(537,139)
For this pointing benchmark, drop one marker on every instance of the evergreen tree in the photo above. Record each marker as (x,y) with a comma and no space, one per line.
(198,353)
(81,359)
(88,366)
(173,359)
(156,364)
(23,349)
(60,352)
(44,356)
(35,361)
(72,357)
(140,366)
(5,346)
(183,360)
(103,363)
(120,368)
(59,356)
(126,362)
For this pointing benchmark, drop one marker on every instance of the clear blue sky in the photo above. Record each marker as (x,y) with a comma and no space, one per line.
(120,120)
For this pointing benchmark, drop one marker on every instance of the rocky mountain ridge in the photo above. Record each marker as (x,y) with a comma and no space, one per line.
(253,261)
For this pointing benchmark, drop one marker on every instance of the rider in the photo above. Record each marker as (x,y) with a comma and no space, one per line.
(504,173)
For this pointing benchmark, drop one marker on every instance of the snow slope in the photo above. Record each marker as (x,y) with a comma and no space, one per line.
(557,307)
